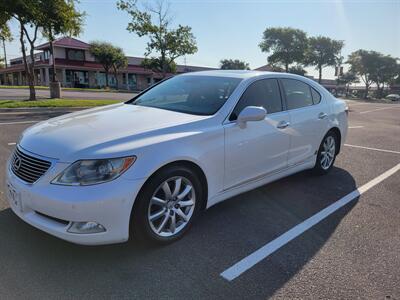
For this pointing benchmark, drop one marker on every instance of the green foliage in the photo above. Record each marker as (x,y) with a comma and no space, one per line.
(298,69)
(348,78)
(373,67)
(62,17)
(153,21)
(156,64)
(5,32)
(52,17)
(385,72)
(287,45)
(234,64)
(109,56)
(322,52)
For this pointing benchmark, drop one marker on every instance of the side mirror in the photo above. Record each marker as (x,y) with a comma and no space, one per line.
(251,113)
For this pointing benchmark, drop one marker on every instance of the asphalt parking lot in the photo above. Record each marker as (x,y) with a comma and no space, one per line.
(353,252)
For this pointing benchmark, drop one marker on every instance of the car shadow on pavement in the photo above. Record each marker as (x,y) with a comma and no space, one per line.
(35,264)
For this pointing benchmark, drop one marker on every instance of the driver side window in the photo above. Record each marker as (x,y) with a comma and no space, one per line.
(263,93)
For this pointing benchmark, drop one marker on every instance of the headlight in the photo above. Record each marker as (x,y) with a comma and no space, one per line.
(88,172)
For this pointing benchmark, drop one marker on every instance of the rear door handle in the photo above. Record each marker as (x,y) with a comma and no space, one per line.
(283,124)
(322,115)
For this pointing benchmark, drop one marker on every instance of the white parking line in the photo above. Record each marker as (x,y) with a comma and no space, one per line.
(355,127)
(19,122)
(373,149)
(248,262)
(381,108)
(352,103)
(11,144)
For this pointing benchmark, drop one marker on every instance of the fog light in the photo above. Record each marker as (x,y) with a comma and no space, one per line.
(86,227)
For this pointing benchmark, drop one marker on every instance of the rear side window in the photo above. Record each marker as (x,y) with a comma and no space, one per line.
(263,93)
(298,94)
(316,96)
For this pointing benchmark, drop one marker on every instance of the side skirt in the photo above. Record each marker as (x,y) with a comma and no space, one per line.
(251,185)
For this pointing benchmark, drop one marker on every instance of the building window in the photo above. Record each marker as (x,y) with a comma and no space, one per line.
(73,54)
(77,78)
(132,81)
(46,54)
(16,62)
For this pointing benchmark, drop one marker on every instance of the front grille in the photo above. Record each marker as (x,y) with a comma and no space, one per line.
(27,167)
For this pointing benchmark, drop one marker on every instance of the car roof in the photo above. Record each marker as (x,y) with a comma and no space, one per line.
(227,73)
(244,74)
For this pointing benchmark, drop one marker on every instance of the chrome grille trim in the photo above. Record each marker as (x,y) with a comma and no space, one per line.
(27,167)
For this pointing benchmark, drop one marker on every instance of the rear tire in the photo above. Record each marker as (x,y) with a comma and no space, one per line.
(326,154)
(167,205)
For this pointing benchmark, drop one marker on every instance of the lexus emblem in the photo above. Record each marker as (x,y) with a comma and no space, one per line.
(17,163)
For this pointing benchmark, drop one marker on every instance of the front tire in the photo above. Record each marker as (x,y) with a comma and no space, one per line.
(326,154)
(167,205)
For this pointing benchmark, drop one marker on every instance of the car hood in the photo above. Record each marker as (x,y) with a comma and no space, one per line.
(86,134)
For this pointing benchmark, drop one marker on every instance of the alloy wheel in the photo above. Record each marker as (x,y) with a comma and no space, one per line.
(328,152)
(171,206)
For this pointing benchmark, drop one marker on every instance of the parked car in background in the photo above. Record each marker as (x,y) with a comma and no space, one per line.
(393,97)
(147,167)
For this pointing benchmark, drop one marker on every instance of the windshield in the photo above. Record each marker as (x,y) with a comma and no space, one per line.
(199,95)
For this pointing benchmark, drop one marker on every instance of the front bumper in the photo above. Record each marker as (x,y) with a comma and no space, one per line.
(52,208)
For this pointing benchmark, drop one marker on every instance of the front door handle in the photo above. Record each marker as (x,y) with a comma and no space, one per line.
(283,124)
(322,115)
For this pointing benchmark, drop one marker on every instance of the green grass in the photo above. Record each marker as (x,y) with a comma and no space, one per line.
(56,103)
(39,87)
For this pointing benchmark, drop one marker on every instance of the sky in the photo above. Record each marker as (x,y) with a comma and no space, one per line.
(233,29)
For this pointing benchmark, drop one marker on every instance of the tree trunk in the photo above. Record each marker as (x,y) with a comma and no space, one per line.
(319,74)
(54,75)
(106,79)
(30,76)
(32,92)
(366,91)
(5,53)
(378,90)
(116,77)
(286,67)
(163,65)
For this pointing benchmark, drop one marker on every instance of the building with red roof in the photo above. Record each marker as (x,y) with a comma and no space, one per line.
(76,67)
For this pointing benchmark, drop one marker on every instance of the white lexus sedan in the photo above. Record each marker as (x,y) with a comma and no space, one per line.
(147,167)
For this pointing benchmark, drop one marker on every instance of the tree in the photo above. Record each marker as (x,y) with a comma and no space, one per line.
(364,64)
(322,52)
(62,18)
(5,34)
(29,15)
(346,79)
(33,16)
(153,20)
(298,69)
(109,56)
(119,61)
(157,64)
(384,73)
(287,45)
(234,64)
